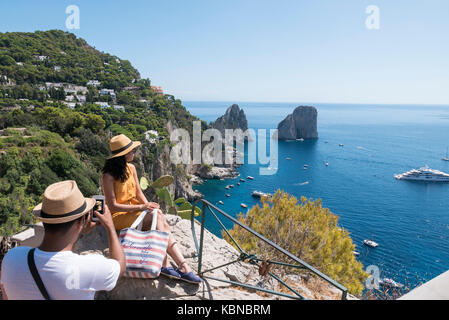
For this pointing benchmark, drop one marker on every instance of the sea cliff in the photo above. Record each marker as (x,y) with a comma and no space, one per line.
(301,124)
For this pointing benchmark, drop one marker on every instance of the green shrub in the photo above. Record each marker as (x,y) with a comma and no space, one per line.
(308,231)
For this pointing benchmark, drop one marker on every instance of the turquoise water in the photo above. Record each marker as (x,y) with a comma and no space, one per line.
(409,220)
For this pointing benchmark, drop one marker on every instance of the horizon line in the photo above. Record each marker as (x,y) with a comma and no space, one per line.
(317,102)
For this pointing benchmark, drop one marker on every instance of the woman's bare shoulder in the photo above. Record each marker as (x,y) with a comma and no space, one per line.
(107,177)
(132,167)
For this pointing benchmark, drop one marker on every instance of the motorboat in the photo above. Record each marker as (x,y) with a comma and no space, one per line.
(300,139)
(424,174)
(250,178)
(242,180)
(341,144)
(446,157)
(243,205)
(387,282)
(228,195)
(220,202)
(370,243)
(260,194)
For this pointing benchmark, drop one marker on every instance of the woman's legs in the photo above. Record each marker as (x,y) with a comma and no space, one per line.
(172,248)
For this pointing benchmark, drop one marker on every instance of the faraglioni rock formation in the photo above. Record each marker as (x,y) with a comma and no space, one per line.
(301,124)
(234,118)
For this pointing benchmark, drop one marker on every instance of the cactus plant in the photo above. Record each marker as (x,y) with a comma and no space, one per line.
(180,206)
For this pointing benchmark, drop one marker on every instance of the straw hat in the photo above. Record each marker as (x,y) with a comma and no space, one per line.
(121,145)
(63,202)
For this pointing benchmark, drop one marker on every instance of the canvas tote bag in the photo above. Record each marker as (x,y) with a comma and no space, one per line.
(144,250)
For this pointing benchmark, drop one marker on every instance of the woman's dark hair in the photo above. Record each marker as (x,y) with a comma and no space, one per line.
(116,167)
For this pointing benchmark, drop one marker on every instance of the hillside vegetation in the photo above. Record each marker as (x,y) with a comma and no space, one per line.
(59,141)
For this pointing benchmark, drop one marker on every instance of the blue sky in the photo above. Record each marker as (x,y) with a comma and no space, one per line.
(258,50)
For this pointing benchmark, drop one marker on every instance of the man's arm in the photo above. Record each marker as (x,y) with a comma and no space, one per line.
(115,249)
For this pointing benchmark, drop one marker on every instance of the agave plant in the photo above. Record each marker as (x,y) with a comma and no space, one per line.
(180,206)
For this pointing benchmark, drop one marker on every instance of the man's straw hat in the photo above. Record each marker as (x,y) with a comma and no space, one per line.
(63,202)
(121,145)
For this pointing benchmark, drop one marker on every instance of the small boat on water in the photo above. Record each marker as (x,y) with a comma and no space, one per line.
(220,202)
(356,253)
(341,144)
(446,157)
(250,178)
(243,205)
(300,139)
(231,185)
(327,164)
(242,180)
(259,194)
(238,183)
(227,187)
(370,243)
(288,158)
(387,282)
(228,195)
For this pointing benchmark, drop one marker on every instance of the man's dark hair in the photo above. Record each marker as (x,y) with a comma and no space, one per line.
(61,227)
(116,167)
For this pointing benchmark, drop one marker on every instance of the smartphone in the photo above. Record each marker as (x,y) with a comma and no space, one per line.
(99,207)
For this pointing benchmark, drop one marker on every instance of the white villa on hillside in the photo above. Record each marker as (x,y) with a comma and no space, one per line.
(94,83)
(151,136)
(107,92)
(81,99)
(71,105)
(117,107)
(103,104)
(54,85)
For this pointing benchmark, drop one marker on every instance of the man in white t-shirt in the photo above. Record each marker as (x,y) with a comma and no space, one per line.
(65,275)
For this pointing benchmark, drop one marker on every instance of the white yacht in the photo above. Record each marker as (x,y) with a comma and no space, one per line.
(370,243)
(259,194)
(424,174)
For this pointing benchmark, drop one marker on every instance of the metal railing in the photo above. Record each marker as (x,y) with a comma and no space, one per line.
(251,258)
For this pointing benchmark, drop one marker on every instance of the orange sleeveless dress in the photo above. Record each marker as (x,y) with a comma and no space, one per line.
(125,193)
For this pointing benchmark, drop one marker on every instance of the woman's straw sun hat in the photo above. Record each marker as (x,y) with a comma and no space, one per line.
(121,145)
(63,202)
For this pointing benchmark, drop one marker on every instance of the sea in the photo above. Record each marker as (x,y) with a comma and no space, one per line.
(409,220)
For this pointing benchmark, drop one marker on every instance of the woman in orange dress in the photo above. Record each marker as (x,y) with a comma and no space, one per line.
(126,201)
